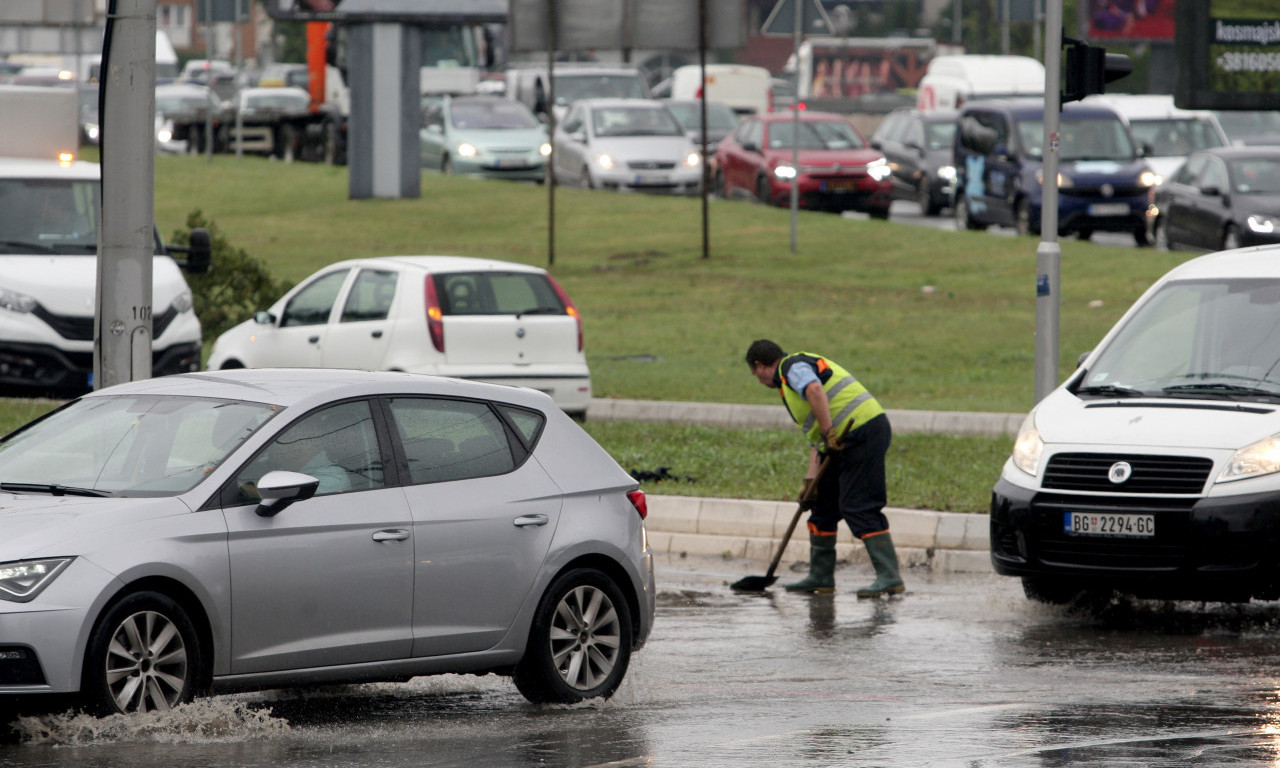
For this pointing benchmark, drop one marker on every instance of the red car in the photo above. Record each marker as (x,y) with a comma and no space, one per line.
(838,169)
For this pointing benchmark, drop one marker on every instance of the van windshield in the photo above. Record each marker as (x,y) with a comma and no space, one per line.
(57,216)
(1083,138)
(1211,338)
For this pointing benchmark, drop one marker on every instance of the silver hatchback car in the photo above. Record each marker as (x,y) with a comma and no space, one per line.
(272,528)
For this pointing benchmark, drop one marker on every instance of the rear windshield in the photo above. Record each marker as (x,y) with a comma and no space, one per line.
(497,293)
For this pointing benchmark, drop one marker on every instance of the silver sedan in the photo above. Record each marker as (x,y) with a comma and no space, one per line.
(268,528)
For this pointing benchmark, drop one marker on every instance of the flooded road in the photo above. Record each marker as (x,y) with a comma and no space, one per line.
(962,671)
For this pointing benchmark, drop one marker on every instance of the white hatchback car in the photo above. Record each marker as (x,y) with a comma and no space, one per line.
(477,319)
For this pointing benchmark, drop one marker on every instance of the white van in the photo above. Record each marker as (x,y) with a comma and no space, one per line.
(744,88)
(953,80)
(1166,133)
(1154,470)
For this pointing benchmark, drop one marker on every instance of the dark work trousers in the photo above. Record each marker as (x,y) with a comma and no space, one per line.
(852,487)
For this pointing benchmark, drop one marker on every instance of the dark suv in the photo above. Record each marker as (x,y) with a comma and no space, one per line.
(1103,182)
(919,147)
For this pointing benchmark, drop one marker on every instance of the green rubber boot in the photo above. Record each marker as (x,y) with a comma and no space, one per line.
(884,558)
(822,566)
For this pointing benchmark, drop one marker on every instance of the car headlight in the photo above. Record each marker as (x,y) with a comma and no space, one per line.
(1064,182)
(164,135)
(467,150)
(182,302)
(1264,225)
(1149,179)
(692,160)
(16,302)
(947,172)
(91,130)
(879,169)
(1028,447)
(784,172)
(22,580)
(604,161)
(545,150)
(1260,458)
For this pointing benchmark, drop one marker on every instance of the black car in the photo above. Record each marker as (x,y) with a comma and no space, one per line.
(721,120)
(918,146)
(1221,198)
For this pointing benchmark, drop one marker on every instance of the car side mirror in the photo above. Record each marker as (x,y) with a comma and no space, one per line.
(1210,191)
(1147,150)
(750,146)
(199,250)
(1083,356)
(264,318)
(579,137)
(876,144)
(278,489)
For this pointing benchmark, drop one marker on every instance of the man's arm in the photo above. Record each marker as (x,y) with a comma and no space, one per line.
(817,397)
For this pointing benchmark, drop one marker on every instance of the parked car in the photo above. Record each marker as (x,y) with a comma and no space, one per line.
(260,529)
(1165,133)
(721,120)
(625,144)
(838,170)
(488,136)
(1221,198)
(918,147)
(185,102)
(1104,185)
(1152,470)
(468,318)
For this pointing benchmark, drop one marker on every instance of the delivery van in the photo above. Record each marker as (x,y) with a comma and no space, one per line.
(952,81)
(1154,470)
(744,88)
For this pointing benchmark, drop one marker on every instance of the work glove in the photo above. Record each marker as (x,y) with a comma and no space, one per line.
(833,439)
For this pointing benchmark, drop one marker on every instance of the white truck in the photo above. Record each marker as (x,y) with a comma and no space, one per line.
(50,207)
(953,80)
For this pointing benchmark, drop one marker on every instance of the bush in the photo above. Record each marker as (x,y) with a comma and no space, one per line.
(236,285)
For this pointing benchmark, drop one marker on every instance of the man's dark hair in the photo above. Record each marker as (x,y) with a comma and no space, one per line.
(764,352)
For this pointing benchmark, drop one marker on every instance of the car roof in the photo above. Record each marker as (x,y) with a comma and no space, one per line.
(24,168)
(805,114)
(1238,151)
(443,264)
(1261,261)
(308,387)
(1033,107)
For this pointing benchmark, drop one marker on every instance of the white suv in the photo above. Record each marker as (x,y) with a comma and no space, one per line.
(468,318)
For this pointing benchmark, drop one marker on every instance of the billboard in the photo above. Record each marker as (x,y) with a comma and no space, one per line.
(1130,21)
(1230,54)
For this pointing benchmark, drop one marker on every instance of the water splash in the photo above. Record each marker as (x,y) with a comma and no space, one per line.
(203,721)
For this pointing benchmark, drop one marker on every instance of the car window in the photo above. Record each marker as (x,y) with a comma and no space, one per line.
(1175,137)
(1256,175)
(782,136)
(570,88)
(370,296)
(450,439)
(1091,138)
(939,135)
(1190,171)
(497,293)
(312,304)
(527,423)
(837,134)
(1215,175)
(573,122)
(337,445)
(491,114)
(634,121)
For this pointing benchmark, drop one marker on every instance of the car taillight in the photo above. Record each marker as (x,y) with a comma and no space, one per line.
(569,308)
(639,501)
(435,316)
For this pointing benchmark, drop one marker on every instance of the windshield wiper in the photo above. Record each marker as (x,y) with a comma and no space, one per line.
(540,311)
(1111,390)
(1225,390)
(53,489)
(22,246)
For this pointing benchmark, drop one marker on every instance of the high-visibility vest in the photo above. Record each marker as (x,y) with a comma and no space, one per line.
(849,401)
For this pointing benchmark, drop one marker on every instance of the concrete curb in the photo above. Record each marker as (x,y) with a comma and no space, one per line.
(773,416)
(743,528)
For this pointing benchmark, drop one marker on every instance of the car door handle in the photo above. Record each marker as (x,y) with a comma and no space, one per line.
(313,339)
(396,534)
(376,334)
(525,521)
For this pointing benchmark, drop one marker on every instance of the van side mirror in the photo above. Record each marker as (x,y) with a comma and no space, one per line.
(199,250)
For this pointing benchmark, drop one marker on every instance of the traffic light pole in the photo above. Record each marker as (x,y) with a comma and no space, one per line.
(1049,253)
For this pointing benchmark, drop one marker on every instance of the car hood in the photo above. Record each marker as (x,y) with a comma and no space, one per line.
(67,285)
(1155,423)
(531,138)
(1103,171)
(1262,205)
(825,158)
(669,148)
(39,525)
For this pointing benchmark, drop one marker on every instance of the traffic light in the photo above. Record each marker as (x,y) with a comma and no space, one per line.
(1089,69)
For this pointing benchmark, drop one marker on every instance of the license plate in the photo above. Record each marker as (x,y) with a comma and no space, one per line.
(1109,209)
(650,178)
(1115,524)
(510,164)
(840,186)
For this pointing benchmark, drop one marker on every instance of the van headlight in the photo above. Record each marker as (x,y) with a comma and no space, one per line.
(604,161)
(16,302)
(22,580)
(1028,447)
(1260,458)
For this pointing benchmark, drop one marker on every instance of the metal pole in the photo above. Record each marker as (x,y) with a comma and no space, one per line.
(795,124)
(208,82)
(1004,27)
(551,130)
(1049,253)
(702,92)
(239,65)
(122,321)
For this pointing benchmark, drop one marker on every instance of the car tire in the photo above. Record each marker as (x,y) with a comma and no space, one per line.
(762,191)
(231,365)
(963,220)
(1049,591)
(288,143)
(579,644)
(1022,218)
(717,185)
(143,655)
(881,214)
(925,198)
(584,180)
(446,167)
(1084,234)
(1230,238)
